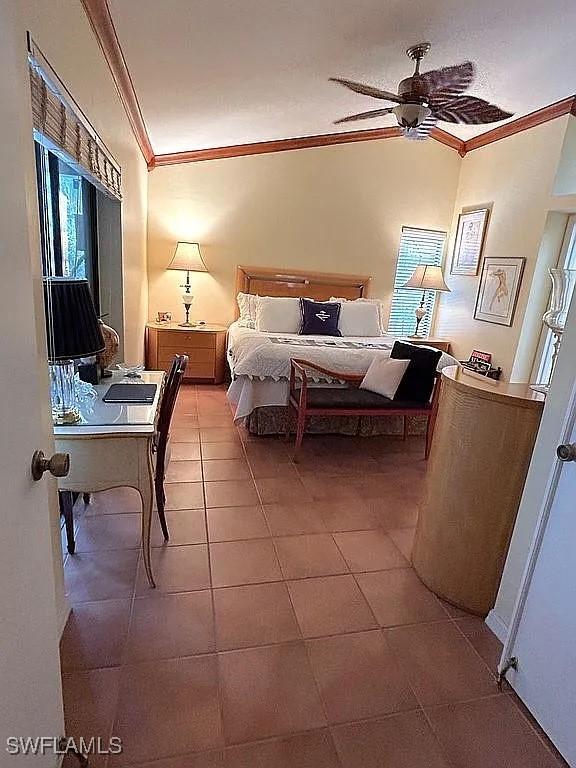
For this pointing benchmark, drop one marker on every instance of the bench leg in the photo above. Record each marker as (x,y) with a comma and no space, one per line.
(288,422)
(300,426)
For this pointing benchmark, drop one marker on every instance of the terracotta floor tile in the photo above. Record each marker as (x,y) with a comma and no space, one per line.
(222,450)
(97,533)
(490,727)
(216,420)
(453,611)
(95,635)
(348,515)
(184,472)
(272,468)
(329,487)
(219,434)
(399,741)
(393,513)
(226,469)
(269,449)
(330,605)
(282,490)
(403,538)
(308,555)
(231,493)
(184,495)
(212,759)
(369,551)
(306,750)
(399,597)
(169,707)
(441,665)
(185,526)
(233,523)
(184,433)
(243,562)
(90,700)
(101,575)
(483,640)
(259,614)
(358,677)
(184,452)
(176,569)
(293,519)
(170,626)
(268,691)
(112,502)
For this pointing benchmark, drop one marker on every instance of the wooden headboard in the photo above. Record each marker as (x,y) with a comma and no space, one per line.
(267,281)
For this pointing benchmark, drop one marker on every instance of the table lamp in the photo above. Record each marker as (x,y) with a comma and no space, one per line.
(72,332)
(187,258)
(425,278)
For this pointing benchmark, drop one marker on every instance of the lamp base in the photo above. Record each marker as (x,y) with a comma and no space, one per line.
(63,393)
(187,324)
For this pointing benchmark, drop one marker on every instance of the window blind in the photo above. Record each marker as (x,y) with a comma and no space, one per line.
(61,126)
(417,246)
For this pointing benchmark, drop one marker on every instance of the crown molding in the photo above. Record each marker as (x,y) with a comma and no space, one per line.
(98,14)
(524,123)
(448,139)
(278,145)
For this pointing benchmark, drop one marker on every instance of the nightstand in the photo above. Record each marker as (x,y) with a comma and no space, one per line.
(442,344)
(205,346)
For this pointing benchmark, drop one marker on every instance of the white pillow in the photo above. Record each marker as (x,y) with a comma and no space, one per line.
(376,302)
(278,314)
(359,319)
(384,376)
(247,307)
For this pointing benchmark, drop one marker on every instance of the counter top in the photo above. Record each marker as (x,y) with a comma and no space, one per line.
(491,389)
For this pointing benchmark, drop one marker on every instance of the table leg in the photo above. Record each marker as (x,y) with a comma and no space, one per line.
(147,496)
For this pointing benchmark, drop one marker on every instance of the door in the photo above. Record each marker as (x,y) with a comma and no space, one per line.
(30,569)
(542,635)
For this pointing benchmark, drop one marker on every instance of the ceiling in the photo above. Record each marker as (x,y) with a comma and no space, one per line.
(212,73)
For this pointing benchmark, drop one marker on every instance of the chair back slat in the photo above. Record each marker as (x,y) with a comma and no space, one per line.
(170,394)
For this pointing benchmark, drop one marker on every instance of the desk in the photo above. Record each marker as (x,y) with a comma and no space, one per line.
(111,447)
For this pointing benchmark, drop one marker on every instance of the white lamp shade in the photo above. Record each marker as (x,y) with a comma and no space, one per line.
(187,258)
(427,278)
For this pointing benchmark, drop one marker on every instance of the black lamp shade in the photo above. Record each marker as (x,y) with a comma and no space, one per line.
(72,325)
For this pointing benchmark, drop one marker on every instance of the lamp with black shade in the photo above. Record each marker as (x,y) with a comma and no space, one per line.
(72,332)
(187,258)
(425,277)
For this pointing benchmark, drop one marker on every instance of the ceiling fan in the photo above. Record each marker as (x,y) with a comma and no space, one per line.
(424,99)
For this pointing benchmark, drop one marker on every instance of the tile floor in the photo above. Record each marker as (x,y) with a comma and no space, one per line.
(288,629)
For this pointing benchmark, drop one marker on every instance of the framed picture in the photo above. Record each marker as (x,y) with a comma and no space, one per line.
(470,236)
(498,289)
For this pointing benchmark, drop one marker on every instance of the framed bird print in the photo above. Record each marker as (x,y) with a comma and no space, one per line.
(499,288)
(470,236)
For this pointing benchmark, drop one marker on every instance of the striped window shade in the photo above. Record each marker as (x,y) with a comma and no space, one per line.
(61,126)
(417,246)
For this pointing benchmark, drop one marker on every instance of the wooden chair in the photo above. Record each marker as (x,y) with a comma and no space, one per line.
(306,401)
(161,441)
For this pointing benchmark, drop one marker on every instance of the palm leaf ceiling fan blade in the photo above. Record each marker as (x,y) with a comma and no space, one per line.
(447,83)
(367,90)
(470,111)
(365,115)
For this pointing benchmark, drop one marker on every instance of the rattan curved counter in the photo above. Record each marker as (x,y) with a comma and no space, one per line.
(483,440)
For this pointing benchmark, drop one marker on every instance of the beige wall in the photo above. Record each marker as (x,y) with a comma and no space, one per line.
(517,175)
(62,31)
(337,208)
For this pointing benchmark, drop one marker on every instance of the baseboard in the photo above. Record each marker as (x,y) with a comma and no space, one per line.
(497,625)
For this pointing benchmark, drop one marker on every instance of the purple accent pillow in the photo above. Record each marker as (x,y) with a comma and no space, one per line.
(319,318)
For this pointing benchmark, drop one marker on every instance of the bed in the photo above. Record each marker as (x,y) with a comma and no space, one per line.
(260,361)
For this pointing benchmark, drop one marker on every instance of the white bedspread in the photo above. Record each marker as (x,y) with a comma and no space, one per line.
(254,353)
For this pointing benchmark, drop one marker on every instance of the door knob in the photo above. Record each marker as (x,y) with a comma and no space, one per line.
(58,464)
(566,452)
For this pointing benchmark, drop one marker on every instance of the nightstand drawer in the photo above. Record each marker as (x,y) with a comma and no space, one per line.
(193,370)
(184,340)
(166,354)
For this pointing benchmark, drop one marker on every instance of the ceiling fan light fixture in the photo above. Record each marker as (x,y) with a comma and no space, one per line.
(411,115)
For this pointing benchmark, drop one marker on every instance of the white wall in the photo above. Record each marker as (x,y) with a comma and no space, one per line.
(517,176)
(333,209)
(63,33)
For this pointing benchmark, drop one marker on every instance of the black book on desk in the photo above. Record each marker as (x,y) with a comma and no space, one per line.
(137,394)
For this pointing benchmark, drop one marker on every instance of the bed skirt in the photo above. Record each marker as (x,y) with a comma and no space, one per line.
(271,420)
